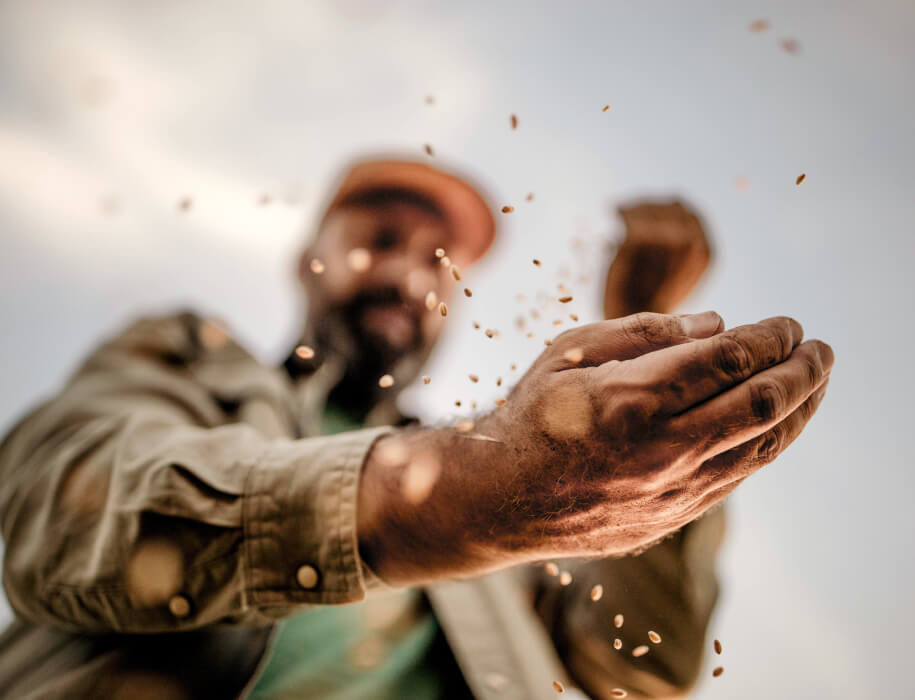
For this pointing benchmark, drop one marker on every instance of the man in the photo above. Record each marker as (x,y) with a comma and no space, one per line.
(175,501)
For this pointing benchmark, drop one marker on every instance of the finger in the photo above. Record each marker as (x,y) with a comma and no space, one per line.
(739,462)
(689,374)
(753,407)
(630,336)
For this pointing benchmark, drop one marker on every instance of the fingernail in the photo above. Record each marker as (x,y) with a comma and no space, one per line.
(701,325)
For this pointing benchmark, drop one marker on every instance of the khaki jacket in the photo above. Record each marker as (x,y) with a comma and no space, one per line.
(175,500)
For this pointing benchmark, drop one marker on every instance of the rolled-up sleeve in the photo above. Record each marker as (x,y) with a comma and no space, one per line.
(129,504)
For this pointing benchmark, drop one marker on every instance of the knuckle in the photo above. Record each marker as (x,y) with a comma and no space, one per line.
(767,401)
(732,357)
(768,446)
(650,329)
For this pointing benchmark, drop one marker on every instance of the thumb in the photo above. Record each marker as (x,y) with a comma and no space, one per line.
(630,337)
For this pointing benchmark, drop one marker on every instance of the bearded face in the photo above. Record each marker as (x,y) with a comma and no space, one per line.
(376,267)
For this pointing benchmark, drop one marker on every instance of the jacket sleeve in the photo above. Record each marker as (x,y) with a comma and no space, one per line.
(129,504)
(670,589)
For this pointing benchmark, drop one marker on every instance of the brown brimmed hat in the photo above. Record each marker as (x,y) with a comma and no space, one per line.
(467,213)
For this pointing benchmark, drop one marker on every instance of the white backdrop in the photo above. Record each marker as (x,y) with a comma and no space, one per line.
(110,112)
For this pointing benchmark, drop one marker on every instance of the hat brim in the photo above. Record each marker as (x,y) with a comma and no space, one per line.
(466,212)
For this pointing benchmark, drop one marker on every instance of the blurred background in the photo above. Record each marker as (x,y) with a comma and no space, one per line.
(112,113)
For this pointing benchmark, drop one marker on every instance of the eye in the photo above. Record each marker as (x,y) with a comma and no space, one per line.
(385,239)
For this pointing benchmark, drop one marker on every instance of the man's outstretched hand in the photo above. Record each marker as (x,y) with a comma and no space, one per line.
(621,432)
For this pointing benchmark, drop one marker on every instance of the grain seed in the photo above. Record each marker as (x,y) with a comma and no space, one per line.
(428,148)
(304,352)
(489,332)
(547,342)
(440,253)
(565,578)
(530,197)
(386,381)
(498,381)
(574,317)
(430,100)
(359,259)
(790,46)
(443,309)
(618,693)
(465,425)
(800,178)
(507,209)
(551,568)
(431,300)
(513,367)
(426,379)
(467,292)
(557,322)
(640,651)
(654,637)
(445,261)
(456,272)
(606,108)
(514,122)
(474,378)
(536,262)
(476,325)
(558,687)
(458,403)
(501,402)
(717,646)
(759,25)
(617,643)
(618,620)
(316,266)
(565,300)
(574,355)
(718,671)
(597,592)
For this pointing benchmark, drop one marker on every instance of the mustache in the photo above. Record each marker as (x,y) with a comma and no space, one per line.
(382,296)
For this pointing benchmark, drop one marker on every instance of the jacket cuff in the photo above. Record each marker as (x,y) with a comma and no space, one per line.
(299,511)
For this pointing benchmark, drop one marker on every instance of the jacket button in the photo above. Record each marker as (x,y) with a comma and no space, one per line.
(307,576)
(179,606)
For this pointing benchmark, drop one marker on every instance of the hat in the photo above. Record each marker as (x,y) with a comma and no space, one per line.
(466,212)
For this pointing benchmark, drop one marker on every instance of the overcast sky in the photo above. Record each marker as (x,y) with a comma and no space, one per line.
(110,112)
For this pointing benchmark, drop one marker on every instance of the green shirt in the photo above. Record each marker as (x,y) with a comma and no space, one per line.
(369,650)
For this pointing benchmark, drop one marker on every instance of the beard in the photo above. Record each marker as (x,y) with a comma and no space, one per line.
(372,332)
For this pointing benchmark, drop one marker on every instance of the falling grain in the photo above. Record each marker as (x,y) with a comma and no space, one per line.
(474,378)
(574,317)
(617,643)
(654,637)
(489,332)
(467,292)
(498,381)
(428,149)
(551,568)
(456,272)
(507,209)
(514,121)
(440,253)
(431,300)
(501,402)
(445,261)
(618,693)
(558,687)
(597,592)
(547,341)
(426,379)
(800,178)
(606,108)
(304,352)
(465,425)
(359,259)
(316,266)
(618,620)
(565,578)
(386,381)
(718,671)
(640,650)
(536,262)
(530,197)
(476,325)
(717,646)
(443,308)
(565,300)
(759,25)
